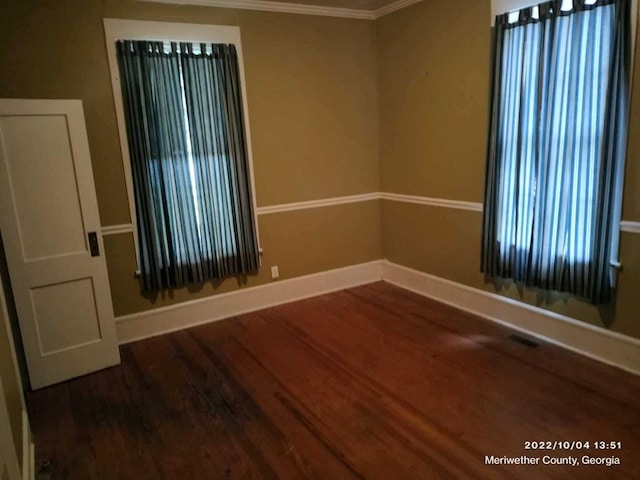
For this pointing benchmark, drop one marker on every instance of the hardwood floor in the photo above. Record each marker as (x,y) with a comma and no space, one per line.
(369,383)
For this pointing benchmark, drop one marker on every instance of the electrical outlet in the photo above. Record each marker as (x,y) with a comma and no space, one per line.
(274,272)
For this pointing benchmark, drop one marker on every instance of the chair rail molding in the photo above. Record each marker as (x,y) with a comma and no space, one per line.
(324,202)
(116,229)
(434,202)
(630,227)
(625,226)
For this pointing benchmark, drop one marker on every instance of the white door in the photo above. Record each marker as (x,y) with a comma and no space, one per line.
(51,232)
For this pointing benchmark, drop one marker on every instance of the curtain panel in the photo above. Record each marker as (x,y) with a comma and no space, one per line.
(192,188)
(556,148)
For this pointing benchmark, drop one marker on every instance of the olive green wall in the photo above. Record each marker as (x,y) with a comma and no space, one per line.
(434,62)
(631,202)
(299,242)
(9,377)
(312,92)
(337,107)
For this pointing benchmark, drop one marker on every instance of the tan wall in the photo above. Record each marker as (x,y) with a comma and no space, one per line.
(10,382)
(446,243)
(631,202)
(299,242)
(434,61)
(320,90)
(312,94)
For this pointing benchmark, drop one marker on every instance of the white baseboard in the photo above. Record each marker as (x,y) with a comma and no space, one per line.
(597,343)
(137,326)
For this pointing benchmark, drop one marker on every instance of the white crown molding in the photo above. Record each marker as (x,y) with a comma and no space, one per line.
(603,345)
(433,202)
(325,202)
(279,7)
(630,227)
(594,342)
(381,12)
(296,8)
(137,326)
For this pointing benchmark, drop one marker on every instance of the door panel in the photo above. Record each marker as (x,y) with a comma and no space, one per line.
(39,159)
(48,209)
(51,308)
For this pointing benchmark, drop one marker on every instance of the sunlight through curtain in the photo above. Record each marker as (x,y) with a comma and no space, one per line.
(557,146)
(185,126)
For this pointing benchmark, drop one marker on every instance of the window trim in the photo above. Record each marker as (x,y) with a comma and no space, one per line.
(118,29)
(498,7)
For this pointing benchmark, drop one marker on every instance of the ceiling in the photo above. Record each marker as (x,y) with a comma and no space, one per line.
(361,9)
(364,5)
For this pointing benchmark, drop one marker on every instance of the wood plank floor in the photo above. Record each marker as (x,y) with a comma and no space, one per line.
(369,383)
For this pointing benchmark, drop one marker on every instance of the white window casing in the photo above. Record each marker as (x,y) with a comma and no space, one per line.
(498,7)
(117,29)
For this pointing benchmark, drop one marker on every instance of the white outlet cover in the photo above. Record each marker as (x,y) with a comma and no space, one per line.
(274,272)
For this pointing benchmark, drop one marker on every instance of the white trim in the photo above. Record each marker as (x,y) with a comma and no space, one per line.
(400,4)
(116,229)
(279,7)
(433,202)
(283,207)
(625,226)
(630,227)
(295,8)
(117,29)
(580,337)
(27,443)
(325,202)
(137,326)
(498,7)
(594,342)
(16,370)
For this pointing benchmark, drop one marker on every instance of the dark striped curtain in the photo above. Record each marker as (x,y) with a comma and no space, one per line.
(557,146)
(185,126)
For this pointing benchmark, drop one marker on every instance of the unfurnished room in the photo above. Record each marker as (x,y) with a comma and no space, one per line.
(319,239)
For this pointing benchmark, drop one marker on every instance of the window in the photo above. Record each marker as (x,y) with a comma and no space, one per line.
(187,150)
(557,144)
